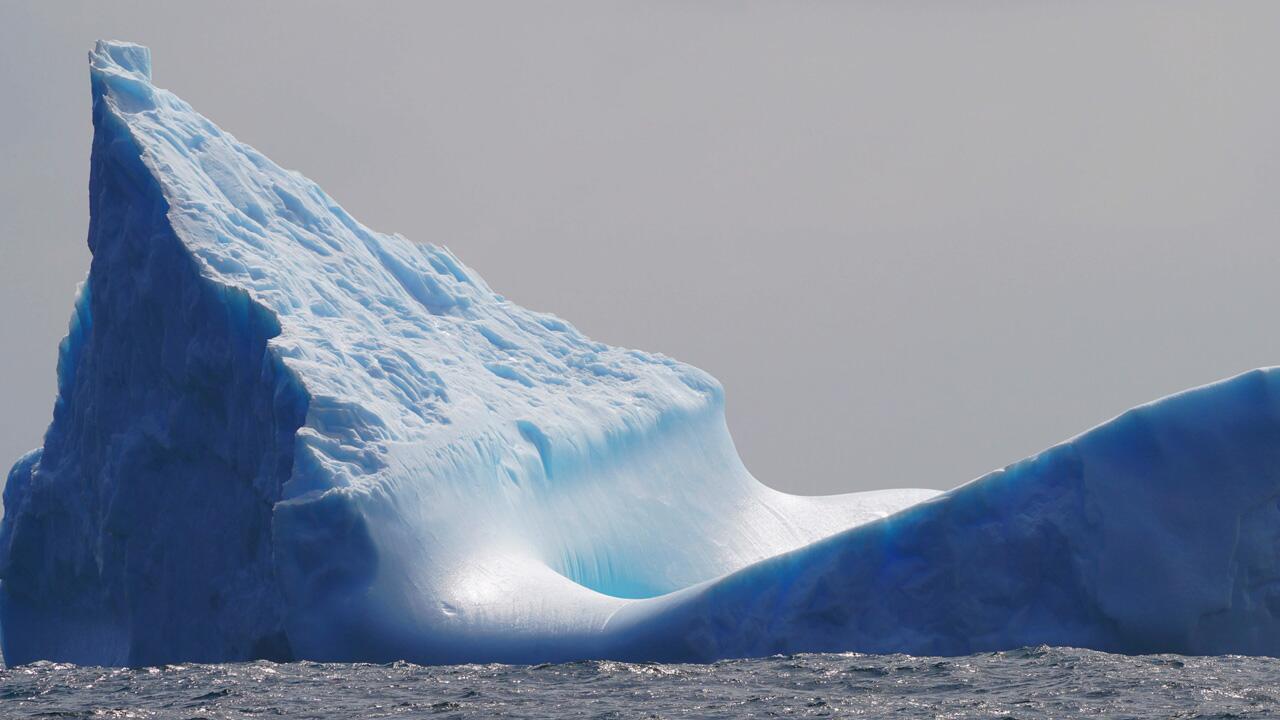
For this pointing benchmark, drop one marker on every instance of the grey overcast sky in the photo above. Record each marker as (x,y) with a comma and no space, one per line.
(915,240)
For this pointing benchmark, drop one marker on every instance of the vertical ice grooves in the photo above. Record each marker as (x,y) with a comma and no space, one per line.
(143,533)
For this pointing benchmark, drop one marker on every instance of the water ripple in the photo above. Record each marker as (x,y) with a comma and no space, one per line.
(1028,683)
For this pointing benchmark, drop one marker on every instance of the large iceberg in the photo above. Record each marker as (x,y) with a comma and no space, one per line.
(279,434)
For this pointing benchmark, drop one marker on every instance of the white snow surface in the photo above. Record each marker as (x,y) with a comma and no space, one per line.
(489,430)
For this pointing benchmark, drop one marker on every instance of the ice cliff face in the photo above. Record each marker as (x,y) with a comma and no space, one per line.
(280,434)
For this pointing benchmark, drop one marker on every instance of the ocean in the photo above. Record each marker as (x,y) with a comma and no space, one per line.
(1028,683)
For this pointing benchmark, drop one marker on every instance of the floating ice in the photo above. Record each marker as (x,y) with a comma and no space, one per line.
(279,434)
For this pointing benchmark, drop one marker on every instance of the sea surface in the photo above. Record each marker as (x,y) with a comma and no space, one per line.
(1028,683)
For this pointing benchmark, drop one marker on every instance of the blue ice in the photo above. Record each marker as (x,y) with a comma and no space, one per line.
(280,434)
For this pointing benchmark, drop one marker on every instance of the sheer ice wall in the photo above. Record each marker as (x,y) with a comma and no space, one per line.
(280,434)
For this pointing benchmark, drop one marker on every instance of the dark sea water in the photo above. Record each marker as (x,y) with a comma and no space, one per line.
(1028,683)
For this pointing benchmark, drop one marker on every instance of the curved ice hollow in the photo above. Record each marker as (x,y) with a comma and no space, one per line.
(280,434)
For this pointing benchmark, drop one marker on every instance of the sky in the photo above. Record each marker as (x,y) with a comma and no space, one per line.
(915,241)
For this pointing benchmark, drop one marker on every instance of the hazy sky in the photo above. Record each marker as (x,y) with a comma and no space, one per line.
(915,241)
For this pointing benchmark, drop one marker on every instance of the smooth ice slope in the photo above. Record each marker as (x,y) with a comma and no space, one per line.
(280,434)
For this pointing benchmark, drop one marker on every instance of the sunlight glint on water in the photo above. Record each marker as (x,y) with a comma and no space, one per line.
(1028,683)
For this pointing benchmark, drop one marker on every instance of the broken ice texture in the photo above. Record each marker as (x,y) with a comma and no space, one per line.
(279,434)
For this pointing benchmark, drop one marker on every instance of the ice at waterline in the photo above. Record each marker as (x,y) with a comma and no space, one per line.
(279,434)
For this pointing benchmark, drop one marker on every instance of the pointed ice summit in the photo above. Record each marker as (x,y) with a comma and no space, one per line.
(279,434)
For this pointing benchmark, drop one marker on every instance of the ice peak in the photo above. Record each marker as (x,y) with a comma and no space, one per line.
(108,55)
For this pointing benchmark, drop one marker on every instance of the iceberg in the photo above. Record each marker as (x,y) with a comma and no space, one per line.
(279,434)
